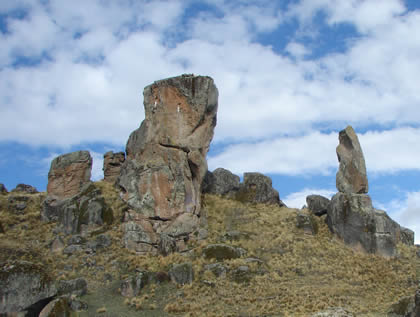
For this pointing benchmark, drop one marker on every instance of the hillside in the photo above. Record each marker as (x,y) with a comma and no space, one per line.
(284,272)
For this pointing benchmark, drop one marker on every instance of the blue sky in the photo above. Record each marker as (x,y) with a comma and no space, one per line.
(290,75)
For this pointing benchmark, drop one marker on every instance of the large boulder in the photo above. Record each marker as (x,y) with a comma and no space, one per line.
(112,165)
(257,188)
(23,284)
(353,218)
(69,173)
(221,182)
(166,157)
(317,204)
(351,176)
(81,213)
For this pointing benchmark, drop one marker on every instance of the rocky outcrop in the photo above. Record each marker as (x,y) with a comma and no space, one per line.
(81,213)
(350,213)
(23,188)
(68,174)
(257,188)
(221,182)
(166,161)
(317,204)
(408,306)
(351,176)
(112,165)
(23,284)
(3,189)
(306,222)
(182,273)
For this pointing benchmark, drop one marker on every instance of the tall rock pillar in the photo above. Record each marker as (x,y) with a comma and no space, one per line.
(166,163)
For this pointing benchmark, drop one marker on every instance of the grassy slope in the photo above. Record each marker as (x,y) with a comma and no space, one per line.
(301,273)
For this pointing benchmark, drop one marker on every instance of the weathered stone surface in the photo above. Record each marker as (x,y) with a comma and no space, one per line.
(81,213)
(408,306)
(218,269)
(407,236)
(132,286)
(182,273)
(307,223)
(23,188)
(101,241)
(57,245)
(69,173)
(77,287)
(58,307)
(257,188)
(222,252)
(317,204)
(23,284)
(221,182)
(3,189)
(166,157)
(112,165)
(334,312)
(351,176)
(241,274)
(352,218)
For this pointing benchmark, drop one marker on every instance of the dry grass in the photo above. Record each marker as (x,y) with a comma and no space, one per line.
(300,274)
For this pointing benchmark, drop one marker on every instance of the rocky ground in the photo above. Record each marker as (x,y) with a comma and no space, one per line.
(257,260)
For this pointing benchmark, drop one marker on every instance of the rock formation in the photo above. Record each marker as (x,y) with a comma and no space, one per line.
(166,161)
(23,188)
(68,174)
(221,182)
(112,165)
(257,188)
(351,215)
(351,176)
(317,204)
(3,189)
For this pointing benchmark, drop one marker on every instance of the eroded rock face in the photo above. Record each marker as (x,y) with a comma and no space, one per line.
(23,284)
(24,188)
(68,173)
(317,204)
(351,176)
(112,165)
(353,218)
(221,182)
(166,159)
(257,188)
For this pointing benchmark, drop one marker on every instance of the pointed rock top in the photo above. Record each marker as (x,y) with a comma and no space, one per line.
(351,176)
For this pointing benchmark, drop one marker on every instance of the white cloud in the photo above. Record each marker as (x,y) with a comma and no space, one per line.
(298,199)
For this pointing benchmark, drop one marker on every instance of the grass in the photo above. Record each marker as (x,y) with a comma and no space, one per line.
(299,275)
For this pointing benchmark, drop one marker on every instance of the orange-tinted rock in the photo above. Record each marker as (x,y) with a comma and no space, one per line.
(112,165)
(166,157)
(68,173)
(351,176)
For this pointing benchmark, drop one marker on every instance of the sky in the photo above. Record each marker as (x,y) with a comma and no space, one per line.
(290,75)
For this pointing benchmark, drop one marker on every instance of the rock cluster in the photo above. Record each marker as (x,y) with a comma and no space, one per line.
(73,200)
(24,188)
(112,165)
(256,187)
(351,215)
(166,163)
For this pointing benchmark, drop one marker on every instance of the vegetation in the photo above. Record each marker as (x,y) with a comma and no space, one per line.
(284,273)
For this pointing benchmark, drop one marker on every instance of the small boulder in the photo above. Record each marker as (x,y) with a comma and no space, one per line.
(334,312)
(69,173)
(307,223)
(112,165)
(23,188)
(218,269)
(57,245)
(221,182)
(76,287)
(182,273)
(101,241)
(317,204)
(3,189)
(58,307)
(351,176)
(222,252)
(257,188)
(242,274)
